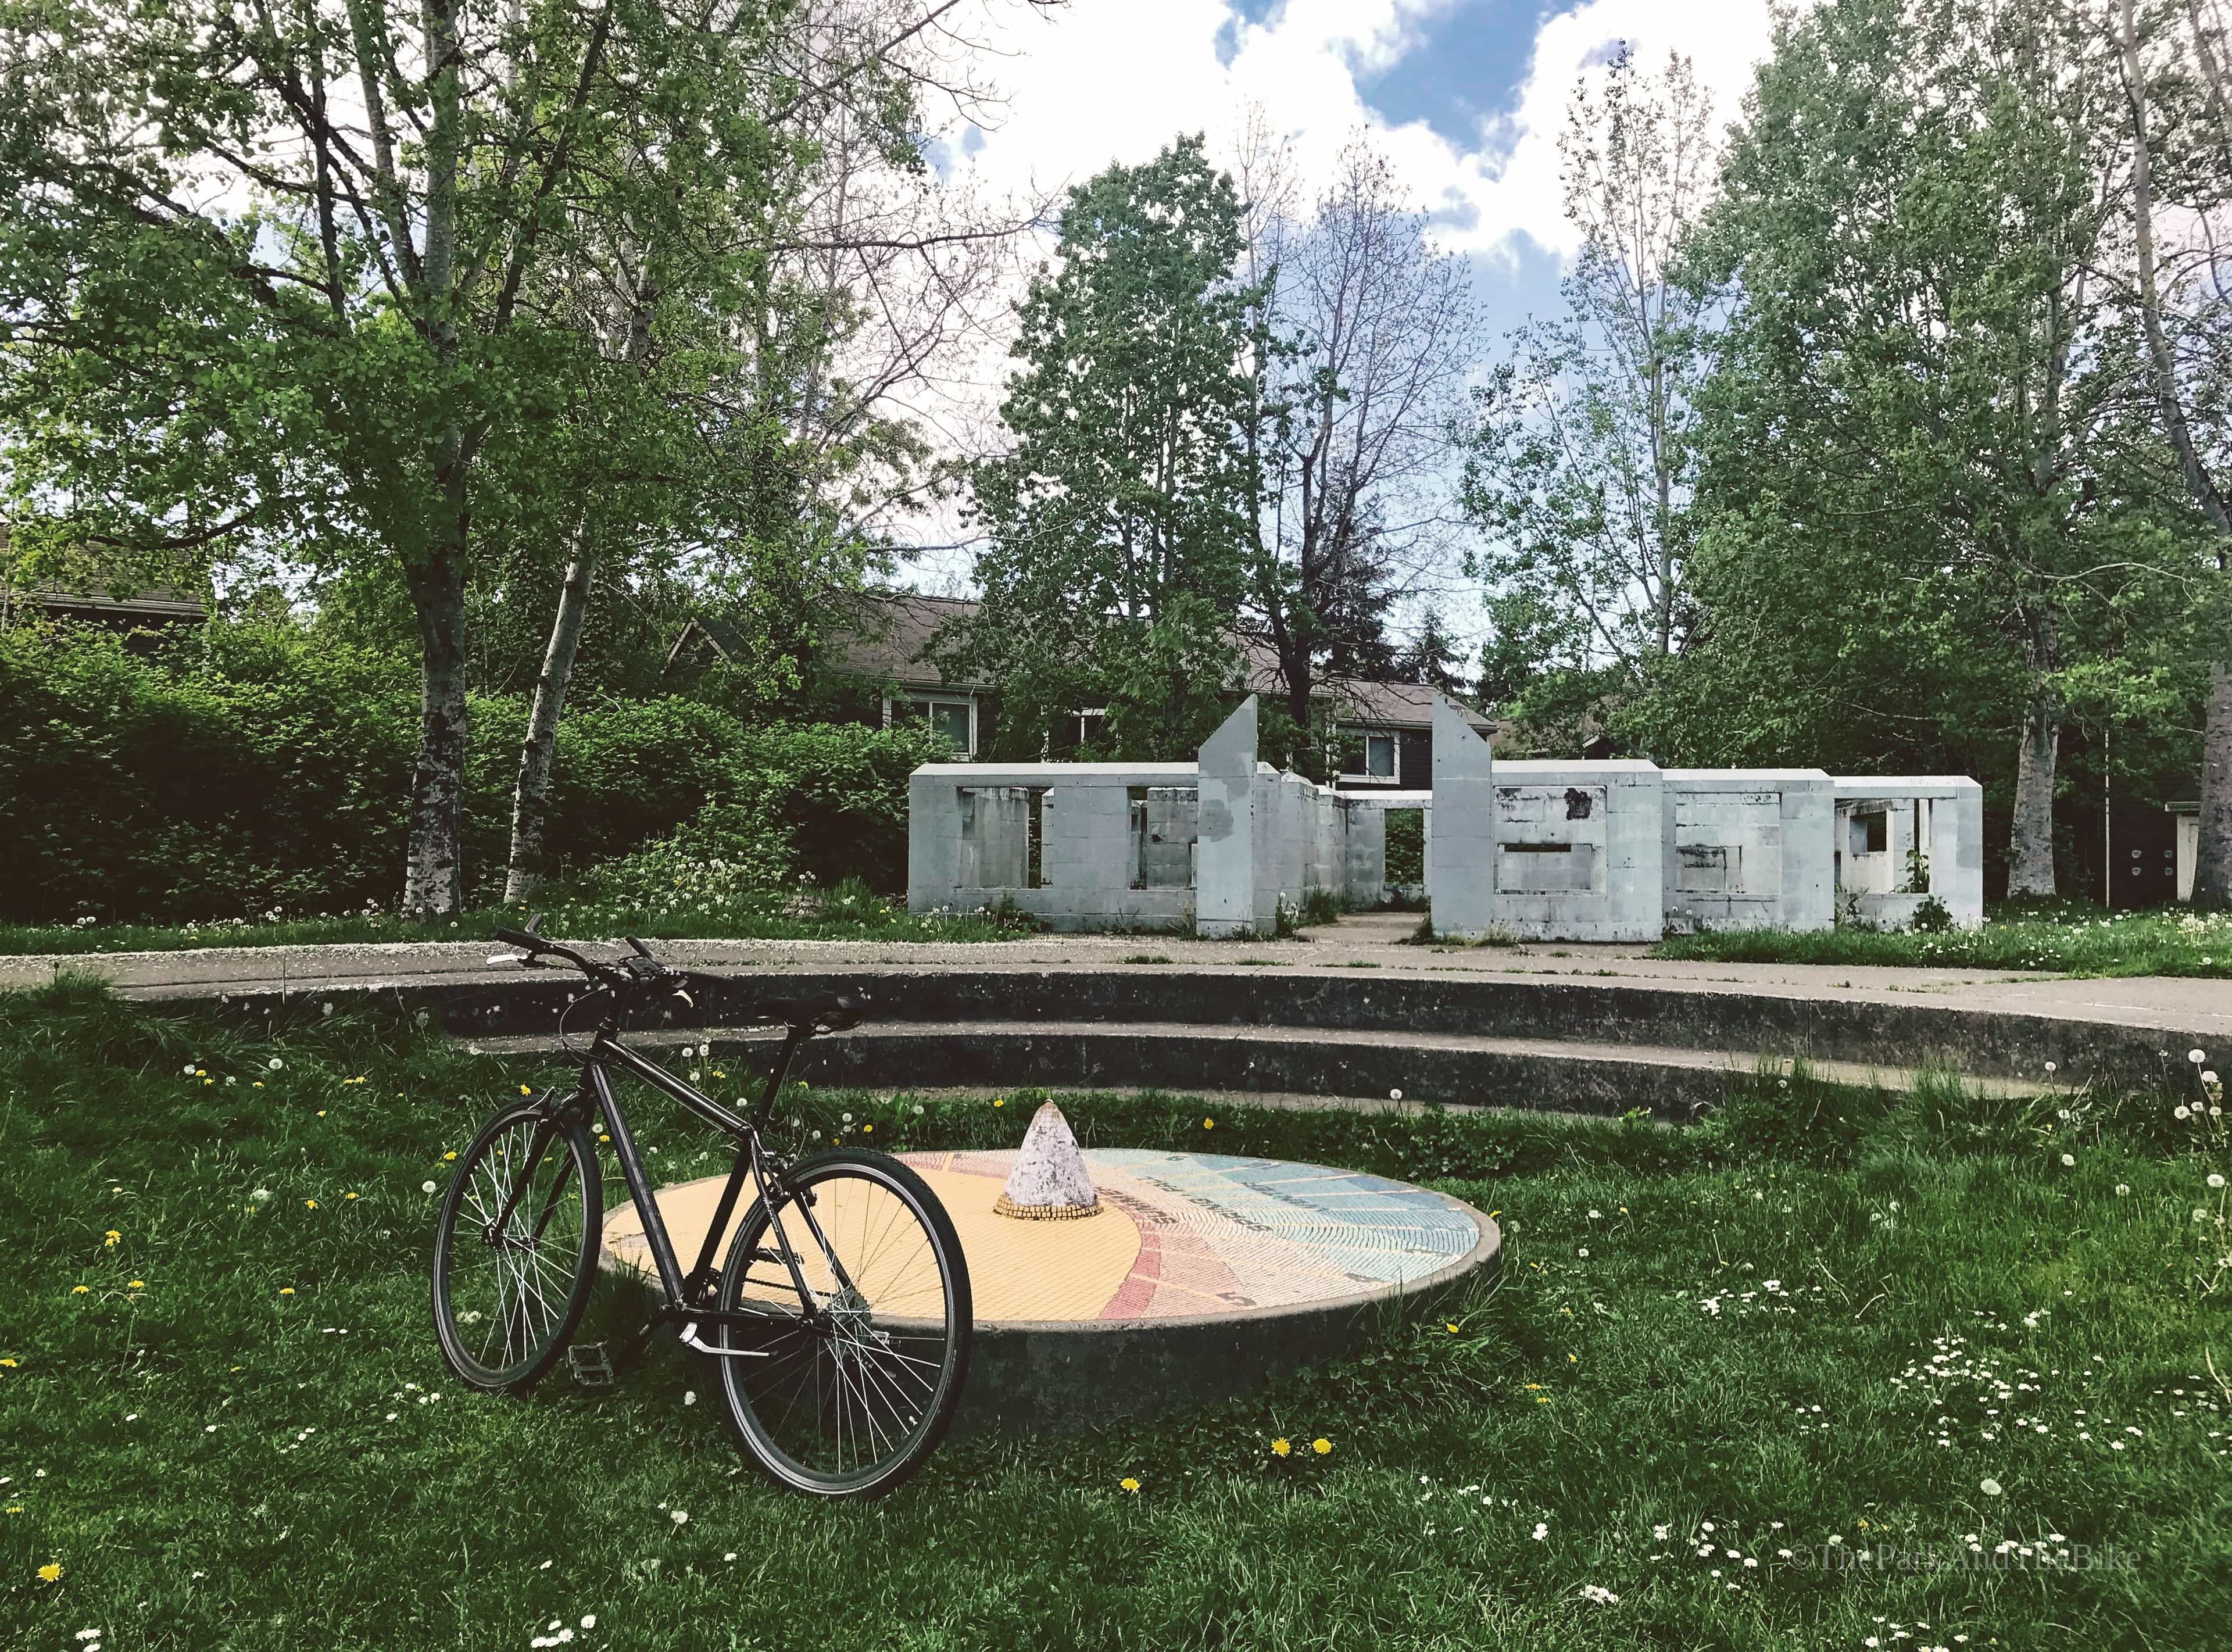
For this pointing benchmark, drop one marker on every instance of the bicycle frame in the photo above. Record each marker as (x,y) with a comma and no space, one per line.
(683,1295)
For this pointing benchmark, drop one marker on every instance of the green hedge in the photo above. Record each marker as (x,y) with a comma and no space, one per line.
(250,769)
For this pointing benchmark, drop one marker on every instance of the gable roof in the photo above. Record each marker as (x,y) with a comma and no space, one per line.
(888,634)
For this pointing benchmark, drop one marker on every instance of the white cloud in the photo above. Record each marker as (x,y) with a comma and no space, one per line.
(1103,80)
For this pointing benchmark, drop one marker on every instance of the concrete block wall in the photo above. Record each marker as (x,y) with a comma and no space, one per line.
(1579,850)
(1222,841)
(1461,851)
(1749,849)
(1940,815)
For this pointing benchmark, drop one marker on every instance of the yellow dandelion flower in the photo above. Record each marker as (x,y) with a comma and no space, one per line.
(348,1195)
(1573,1360)
(111,1237)
(1209,1124)
(446,1157)
(1283,1446)
(9,1362)
(999,1101)
(1453,1327)
(1541,1399)
(524,1091)
(78,1290)
(309,1204)
(321,1113)
(1129,1484)
(286,1290)
(1322,1446)
(257,1083)
(51,1572)
(136,1285)
(867,1129)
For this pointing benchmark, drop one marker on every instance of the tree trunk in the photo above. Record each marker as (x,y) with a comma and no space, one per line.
(2030,848)
(432,883)
(2212,870)
(2212,880)
(530,796)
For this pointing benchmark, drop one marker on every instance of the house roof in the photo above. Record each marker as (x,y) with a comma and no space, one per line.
(894,630)
(888,634)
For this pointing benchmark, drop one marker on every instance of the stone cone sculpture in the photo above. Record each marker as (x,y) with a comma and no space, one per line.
(1049,1182)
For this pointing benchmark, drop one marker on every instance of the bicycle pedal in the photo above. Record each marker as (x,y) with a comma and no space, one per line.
(592,1370)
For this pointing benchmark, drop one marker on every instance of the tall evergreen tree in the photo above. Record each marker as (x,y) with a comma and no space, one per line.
(1116,524)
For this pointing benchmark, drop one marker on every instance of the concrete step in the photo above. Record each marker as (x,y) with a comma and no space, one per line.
(1450,1069)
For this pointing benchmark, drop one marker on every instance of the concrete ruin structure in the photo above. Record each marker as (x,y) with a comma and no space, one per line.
(1601,850)
(1901,839)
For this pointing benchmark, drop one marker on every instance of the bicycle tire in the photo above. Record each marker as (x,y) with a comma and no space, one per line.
(536,1303)
(856,1408)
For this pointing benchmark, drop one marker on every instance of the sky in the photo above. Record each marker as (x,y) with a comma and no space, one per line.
(1466,98)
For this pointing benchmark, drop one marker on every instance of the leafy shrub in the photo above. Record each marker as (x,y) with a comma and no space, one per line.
(250,770)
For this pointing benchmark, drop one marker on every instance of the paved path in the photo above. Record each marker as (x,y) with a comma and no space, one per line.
(1376,941)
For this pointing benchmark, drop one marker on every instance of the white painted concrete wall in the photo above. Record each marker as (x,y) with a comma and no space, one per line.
(1549,851)
(1461,845)
(1220,842)
(1749,849)
(1942,815)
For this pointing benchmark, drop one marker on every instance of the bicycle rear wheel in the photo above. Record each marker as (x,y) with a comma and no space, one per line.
(849,1399)
(515,1248)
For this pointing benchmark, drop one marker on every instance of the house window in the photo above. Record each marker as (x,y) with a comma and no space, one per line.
(954,718)
(1375,758)
(1870,833)
(1092,727)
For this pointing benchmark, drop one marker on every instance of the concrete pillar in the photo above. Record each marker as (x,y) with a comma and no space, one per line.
(1224,891)
(1809,853)
(1957,856)
(1461,872)
(934,838)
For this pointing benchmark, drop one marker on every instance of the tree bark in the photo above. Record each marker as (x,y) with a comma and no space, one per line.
(2212,880)
(2212,869)
(2030,844)
(530,796)
(432,881)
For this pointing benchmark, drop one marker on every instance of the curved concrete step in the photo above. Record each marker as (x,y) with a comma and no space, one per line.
(1451,1069)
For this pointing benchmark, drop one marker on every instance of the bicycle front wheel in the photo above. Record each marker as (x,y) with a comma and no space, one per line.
(515,1248)
(847,1387)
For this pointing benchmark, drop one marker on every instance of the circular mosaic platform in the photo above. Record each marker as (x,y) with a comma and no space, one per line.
(1202,1275)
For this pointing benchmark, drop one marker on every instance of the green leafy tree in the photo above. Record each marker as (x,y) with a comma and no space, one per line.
(1117,523)
(1921,492)
(1577,464)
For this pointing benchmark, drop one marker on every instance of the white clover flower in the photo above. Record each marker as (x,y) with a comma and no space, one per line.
(2069,1158)
(589,1621)
(190,1069)
(681,1517)
(1541,1531)
(2123,1190)
(1989,1487)
(1599,1593)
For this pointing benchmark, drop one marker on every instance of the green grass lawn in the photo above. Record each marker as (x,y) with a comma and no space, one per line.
(840,914)
(2073,940)
(1837,1369)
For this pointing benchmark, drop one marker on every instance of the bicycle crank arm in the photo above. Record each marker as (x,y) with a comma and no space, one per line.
(688,1339)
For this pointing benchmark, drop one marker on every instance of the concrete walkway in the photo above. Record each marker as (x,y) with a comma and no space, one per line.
(1375,941)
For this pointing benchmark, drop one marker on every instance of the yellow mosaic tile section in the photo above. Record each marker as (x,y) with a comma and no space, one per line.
(1017,1270)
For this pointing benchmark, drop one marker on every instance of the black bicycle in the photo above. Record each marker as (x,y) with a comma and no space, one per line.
(837,1325)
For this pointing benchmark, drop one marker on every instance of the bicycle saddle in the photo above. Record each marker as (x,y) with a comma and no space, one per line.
(824,1012)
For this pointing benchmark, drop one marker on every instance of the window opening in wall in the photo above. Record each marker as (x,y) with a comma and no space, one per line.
(1092,727)
(1379,757)
(1042,811)
(953,717)
(1872,832)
